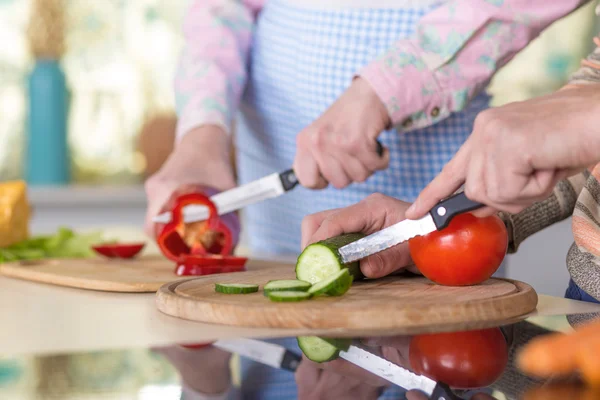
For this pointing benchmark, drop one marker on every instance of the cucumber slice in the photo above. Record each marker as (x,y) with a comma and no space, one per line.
(334,285)
(286,284)
(288,296)
(236,288)
(322,259)
(317,349)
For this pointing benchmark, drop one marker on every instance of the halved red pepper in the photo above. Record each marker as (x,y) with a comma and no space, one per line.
(199,248)
(118,250)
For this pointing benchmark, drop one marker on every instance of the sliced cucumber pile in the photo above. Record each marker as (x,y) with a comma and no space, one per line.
(236,288)
(289,295)
(321,260)
(334,285)
(286,284)
(322,349)
(319,271)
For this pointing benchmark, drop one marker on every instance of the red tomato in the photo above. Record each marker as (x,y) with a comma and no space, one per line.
(119,250)
(464,360)
(467,252)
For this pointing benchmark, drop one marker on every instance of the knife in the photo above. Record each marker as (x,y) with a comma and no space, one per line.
(438,218)
(396,374)
(266,353)
(268,187)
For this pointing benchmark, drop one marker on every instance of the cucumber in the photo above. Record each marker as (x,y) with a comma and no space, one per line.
(289,296)
(322,259)
(236,288)
(334,285)
(317,349)
(286,284)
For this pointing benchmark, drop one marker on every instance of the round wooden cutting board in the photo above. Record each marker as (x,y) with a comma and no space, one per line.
(391,303)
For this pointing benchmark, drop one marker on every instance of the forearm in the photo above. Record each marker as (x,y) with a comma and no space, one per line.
(457,49)
(540,215)
(212,69)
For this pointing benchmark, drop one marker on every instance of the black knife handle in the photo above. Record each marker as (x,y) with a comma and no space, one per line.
(290,361)
(449,208)
(290,181)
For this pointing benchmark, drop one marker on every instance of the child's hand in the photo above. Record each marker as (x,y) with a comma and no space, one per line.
(340,146)
(561,354)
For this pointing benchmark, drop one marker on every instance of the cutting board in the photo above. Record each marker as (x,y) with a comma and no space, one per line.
(143,274)
(395,303)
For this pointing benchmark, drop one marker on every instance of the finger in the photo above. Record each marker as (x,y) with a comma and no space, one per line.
(485,212)
(372,160)
(366,216)
(386,262)
(449,180)
(331,169)
(540,184)
(307,170)
(354,168)
(307,374)
(311,223)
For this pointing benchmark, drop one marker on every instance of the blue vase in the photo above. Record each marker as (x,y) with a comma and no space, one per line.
(48,161)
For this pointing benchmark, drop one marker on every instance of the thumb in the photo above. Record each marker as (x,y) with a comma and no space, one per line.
(386,262)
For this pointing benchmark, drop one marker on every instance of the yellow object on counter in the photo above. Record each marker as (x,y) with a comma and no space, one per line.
(15,212)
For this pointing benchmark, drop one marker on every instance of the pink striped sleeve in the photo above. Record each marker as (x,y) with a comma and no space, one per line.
(212,68)
(456,50)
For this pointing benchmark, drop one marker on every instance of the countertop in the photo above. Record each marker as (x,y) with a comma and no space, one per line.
(45,319)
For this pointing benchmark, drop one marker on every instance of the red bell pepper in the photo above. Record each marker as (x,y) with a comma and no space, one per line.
(119,250)
(211,241)
(210,264)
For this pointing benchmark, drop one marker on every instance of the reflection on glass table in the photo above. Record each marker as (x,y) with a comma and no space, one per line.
(453,365)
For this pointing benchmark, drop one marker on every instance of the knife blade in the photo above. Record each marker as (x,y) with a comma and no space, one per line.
(396,374)
(266,353)
(437,219)
(270,186)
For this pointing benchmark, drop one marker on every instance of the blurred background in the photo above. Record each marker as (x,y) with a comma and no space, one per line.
(103,70)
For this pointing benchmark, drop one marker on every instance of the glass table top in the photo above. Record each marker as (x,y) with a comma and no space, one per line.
(475,364)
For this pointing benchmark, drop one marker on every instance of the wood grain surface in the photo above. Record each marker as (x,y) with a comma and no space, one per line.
(139,275)
(394,303)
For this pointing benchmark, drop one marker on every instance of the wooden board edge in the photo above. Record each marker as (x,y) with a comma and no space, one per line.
(510,311)
(17,272)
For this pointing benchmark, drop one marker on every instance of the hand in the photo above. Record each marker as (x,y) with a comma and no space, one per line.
(518,152)
(394,349)
(340,146)
(315,382)
(201,159)
(204,370)
(368,216)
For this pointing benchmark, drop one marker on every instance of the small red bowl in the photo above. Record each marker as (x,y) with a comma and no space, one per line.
(119,250)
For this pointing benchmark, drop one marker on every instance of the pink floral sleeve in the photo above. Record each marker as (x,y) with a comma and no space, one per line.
(212,70)
(456,50)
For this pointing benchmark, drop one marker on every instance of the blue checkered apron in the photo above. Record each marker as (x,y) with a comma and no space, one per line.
(302,59)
